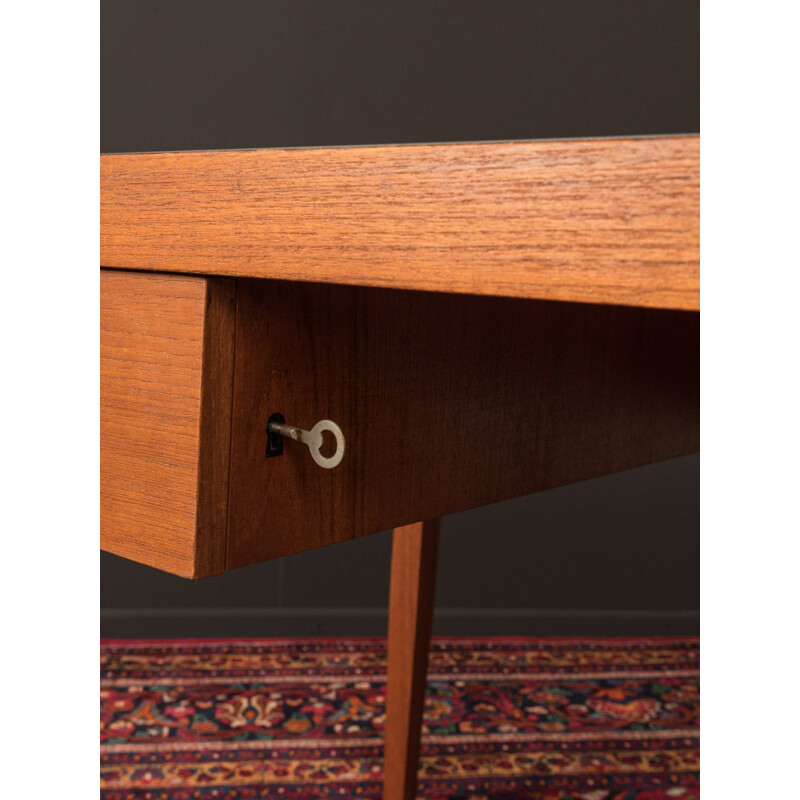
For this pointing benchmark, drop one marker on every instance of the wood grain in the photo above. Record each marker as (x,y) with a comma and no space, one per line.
(215,427)
(411,593)
(448,402)
(599,221)
(166,369)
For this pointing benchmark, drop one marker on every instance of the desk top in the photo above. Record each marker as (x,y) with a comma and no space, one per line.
(612,221)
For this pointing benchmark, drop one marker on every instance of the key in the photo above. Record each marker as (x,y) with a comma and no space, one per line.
(313,439)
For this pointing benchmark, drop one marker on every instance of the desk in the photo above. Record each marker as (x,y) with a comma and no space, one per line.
(483,321)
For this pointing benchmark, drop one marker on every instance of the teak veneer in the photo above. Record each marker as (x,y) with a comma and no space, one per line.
(448,402)
(596,221)
(166,372)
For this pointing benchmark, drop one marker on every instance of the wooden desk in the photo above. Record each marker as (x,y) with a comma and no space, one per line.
(482,320)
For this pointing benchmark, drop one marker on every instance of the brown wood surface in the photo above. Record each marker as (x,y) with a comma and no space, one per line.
(596,221)
(411,593)
(166,368)
(448,402)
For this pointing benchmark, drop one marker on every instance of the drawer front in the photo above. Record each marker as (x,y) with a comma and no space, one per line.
(446,402)
(166,366)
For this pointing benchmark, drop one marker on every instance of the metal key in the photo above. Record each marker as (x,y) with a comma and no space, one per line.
(314,440)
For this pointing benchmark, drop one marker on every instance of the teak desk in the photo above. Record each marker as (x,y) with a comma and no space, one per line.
(482,320)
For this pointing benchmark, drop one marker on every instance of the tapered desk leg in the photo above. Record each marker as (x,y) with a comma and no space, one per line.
(411,592)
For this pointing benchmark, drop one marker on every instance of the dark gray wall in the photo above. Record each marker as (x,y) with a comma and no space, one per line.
(614,556)
(195,74)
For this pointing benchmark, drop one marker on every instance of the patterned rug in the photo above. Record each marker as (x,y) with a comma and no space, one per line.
(505,719)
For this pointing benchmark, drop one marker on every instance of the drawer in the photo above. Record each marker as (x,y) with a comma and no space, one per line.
(447,402)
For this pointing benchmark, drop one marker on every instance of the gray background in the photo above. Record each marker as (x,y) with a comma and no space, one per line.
(613,556)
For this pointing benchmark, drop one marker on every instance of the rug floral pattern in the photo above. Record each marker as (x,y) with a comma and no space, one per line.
(509,719)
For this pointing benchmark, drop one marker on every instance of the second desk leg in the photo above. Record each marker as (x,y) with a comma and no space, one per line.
(413,578)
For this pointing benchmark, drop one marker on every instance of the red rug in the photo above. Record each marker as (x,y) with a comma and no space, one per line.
(506,719)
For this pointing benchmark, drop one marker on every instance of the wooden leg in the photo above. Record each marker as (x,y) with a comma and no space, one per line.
(411,592)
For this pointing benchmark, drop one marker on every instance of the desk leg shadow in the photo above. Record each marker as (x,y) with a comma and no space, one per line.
(411,593)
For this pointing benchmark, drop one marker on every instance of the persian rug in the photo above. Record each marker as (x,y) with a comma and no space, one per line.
(505,719)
